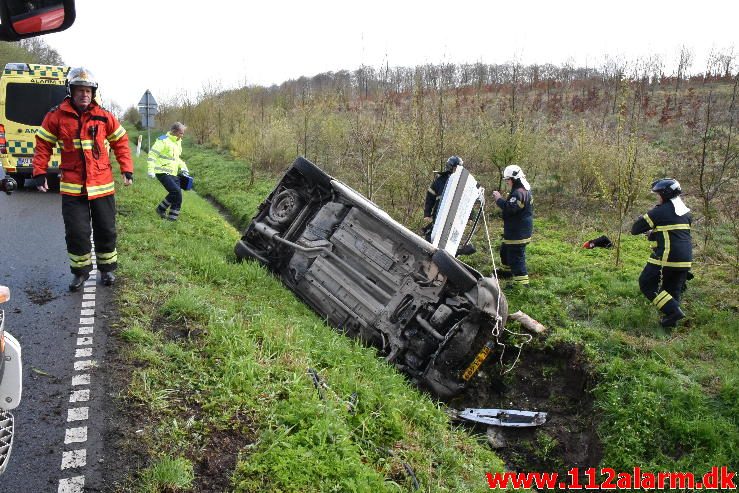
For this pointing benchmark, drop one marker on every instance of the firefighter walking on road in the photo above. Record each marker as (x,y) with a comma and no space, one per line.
(518,225)
(81,128)
(165,163)
(668,228)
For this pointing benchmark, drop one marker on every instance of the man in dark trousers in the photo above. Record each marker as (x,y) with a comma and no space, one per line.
(668,226)
(81,128)
(518,225)
(433,200)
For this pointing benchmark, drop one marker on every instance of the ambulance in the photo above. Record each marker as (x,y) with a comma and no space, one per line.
(27,93)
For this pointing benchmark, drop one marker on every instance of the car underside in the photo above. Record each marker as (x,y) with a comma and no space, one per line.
(427,313)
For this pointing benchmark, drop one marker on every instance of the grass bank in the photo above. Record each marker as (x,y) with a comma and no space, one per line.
(220,354)
(664,400)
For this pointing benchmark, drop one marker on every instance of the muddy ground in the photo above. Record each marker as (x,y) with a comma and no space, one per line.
(556,380)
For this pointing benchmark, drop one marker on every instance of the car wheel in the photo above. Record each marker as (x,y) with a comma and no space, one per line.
(285,206)
(312,173)
(455,272)
(19,180)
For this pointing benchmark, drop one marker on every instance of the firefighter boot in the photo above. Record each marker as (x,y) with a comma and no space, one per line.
(108,278)
(78,281)
(670,320)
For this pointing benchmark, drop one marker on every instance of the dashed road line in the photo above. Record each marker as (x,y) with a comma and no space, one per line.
(75,435)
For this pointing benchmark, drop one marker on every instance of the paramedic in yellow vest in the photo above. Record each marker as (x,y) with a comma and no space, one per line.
(165,163)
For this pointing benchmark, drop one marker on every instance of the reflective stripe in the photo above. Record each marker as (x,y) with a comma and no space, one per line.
(661,299)
(160,155)
(431,191)
(521,205)
(47,136)
(77,143)
(119,132)
(71,188)
(107,258)
(86,144)
(80,260)
(666,252)
(672,227)
(517,242)
(656,261)
(521,279)
(100,189)
(159,169)
(648,220)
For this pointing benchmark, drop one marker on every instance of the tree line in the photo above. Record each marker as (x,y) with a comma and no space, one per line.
(587,137)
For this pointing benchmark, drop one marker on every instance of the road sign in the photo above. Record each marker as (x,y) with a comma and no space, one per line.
(148,107)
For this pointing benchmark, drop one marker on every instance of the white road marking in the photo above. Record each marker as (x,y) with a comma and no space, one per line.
(89,289)
(77,413)
(84,352)
(87,321)
(72,485)
(80,380)
(75,435)
(84,365)
(88,312)
(88,296)
(85,329)
(88,304)
(79,395)
(84,341)
(74,458)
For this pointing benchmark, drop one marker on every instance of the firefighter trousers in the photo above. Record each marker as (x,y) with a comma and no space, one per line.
(83,217)
(513,263)
(173,200)
(663,286)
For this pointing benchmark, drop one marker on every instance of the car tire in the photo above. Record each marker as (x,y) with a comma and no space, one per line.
(312,173)
(285,206)
(19,180)
(455,272)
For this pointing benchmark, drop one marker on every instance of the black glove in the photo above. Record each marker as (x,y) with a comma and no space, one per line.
(39,180)
(128,175)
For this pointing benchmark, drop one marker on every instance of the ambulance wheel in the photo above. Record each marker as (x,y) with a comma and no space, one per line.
(454,271)
(19,180)
(312,173)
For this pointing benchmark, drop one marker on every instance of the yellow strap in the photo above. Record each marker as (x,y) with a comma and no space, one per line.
(672,227)
(517,242)
(648,220)
(669,264)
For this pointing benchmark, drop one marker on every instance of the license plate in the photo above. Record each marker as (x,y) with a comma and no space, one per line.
(25,161)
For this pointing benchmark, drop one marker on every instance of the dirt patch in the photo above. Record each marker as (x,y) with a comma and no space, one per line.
(556,380)
(177,330)
(217,459)
(40,295)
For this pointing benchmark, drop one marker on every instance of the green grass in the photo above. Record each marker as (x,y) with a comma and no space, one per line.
(227,345)
(217,346)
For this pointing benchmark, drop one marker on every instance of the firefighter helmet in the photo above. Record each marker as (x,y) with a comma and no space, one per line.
(667,188)
(80,76)
(452,163)
(513,172)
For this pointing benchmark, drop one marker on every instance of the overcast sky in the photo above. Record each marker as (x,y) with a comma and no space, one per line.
(174,47)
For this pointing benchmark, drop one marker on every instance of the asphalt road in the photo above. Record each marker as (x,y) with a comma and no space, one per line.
(57,350)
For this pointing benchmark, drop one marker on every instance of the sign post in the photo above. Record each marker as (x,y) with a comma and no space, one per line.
(148,107)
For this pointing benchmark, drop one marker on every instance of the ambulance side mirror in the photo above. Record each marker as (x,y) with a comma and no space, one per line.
(25,19)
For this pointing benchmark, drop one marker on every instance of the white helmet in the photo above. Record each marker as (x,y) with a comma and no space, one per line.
(513,172)
(80,76)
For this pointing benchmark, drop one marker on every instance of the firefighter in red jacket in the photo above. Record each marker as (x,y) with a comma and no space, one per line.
(80,127)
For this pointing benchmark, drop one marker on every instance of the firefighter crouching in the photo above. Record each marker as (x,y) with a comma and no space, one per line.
(668,227)
(518,225)
(80,127)
(165,163)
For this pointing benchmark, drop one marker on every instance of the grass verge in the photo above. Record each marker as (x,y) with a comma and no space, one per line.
(220,354)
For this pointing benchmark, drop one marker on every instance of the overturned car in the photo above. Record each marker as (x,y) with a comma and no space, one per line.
(432,316)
